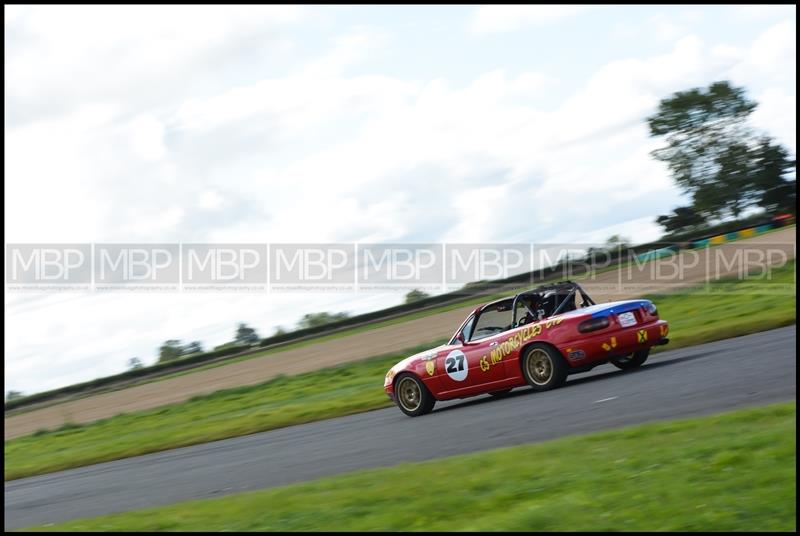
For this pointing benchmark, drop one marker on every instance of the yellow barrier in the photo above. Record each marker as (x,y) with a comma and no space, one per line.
(744,233)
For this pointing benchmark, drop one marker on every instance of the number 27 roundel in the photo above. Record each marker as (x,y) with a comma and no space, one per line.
(455,364)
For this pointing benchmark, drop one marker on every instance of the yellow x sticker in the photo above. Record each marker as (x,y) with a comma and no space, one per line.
(642,335)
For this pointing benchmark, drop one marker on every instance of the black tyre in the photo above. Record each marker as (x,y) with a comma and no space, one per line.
(500,394)
(411,395)
(543,367)
(632,361)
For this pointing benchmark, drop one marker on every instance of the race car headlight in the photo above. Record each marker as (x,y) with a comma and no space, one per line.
(593,324)
(651,308)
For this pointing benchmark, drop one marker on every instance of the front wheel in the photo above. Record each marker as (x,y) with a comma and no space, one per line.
(543,367)
(632,361)
(413,398)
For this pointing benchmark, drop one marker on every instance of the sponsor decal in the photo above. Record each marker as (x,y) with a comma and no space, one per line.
(484,364)
(627,319)
(642,335)
(575,354)
(455,364)
(607,347)
(515,341)
(430,366)
(553,322)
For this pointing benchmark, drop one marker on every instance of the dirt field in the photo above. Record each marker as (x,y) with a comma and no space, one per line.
(698,266)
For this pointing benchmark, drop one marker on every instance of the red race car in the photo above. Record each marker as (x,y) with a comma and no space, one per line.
(537,337)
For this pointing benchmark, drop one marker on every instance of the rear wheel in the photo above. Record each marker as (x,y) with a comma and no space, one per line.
(413,398)
(632,361)
(543,367)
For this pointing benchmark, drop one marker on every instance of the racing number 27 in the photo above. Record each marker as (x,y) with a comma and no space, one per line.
(454,364)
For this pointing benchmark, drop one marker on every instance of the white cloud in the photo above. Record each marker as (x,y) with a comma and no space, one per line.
(769,69)
(672,26)
(503,18)
(758,12)
(135,54)
(147,137)
(211,200)
(773,56)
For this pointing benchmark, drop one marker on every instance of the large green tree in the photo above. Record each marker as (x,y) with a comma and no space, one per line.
(716,158)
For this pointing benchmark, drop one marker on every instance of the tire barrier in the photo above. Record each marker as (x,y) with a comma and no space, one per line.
(749,232)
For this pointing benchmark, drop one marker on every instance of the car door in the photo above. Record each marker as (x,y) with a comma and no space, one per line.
(467,368)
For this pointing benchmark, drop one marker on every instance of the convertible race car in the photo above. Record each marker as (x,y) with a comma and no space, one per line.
(537,337)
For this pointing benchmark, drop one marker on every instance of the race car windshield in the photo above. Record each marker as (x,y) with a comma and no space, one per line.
(493,319)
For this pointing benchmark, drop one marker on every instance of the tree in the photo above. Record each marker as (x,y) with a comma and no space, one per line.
(246,334)
(715,157)
(617,241)
(698,125)
(778,194)
(13,395)
(194,347)
(313,320)
(170,350)
(135,363)
(279,331)
(415,295)
(682,219)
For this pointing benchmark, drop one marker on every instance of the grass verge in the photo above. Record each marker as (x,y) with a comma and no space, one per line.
(728,472)
(709,313)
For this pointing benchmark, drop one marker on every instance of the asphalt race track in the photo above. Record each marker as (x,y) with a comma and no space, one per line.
(700,380)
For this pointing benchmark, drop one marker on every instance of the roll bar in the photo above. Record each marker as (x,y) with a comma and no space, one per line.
(561,285)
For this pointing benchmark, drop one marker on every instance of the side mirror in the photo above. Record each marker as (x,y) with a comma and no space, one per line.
(460,338)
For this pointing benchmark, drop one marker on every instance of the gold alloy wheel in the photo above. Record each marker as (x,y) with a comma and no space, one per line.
(409,394)
(540,367)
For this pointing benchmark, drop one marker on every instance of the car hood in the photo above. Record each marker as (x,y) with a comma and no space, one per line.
(424,355)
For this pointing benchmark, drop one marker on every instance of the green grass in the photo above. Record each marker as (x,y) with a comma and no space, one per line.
(709,313)
(728,472)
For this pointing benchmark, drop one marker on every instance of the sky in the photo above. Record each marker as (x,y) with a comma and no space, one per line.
(318,124)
